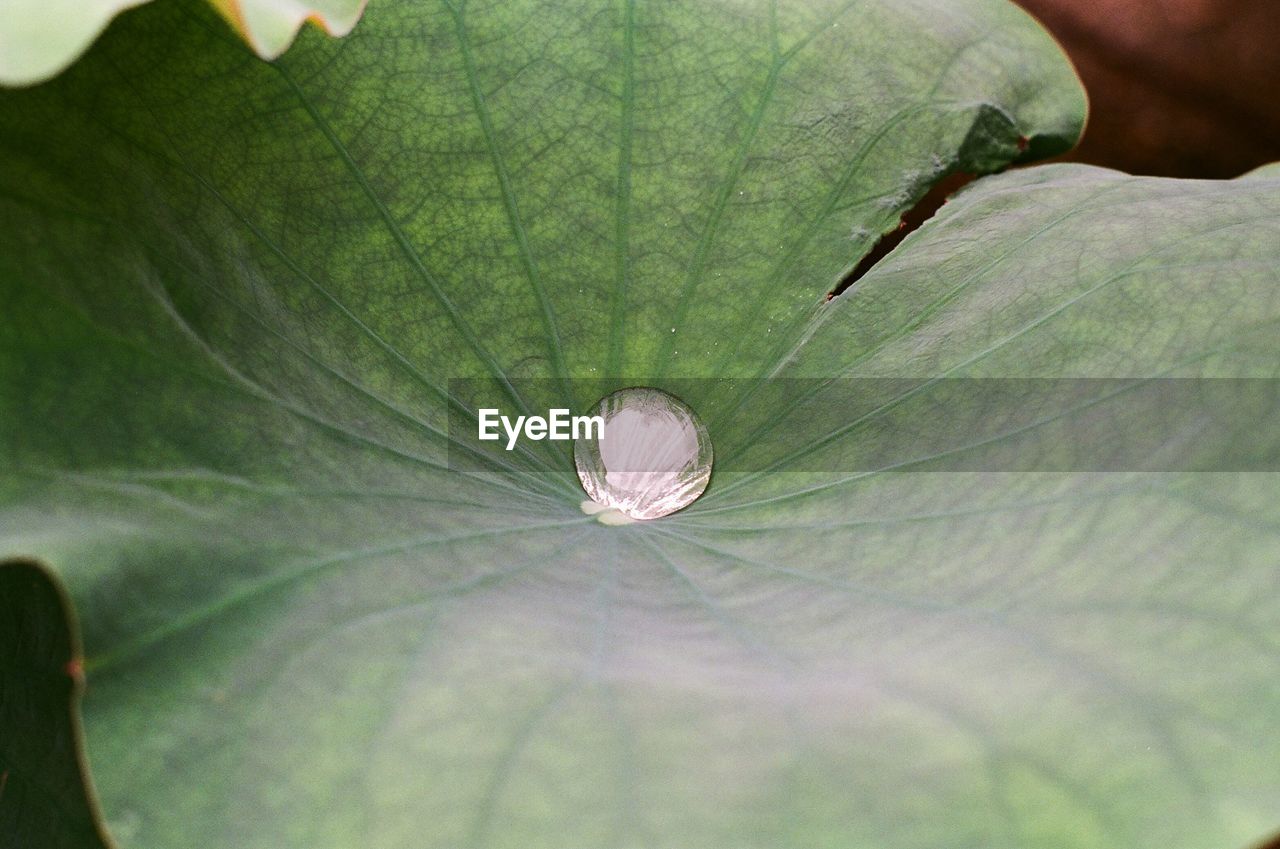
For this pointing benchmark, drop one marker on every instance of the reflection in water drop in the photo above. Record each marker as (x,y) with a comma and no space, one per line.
(653,459)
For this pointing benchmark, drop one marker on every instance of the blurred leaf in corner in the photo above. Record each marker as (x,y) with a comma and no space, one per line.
(43,801)
(40,38)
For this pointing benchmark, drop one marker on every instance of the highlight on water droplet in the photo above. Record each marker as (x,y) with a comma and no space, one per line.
(653,458)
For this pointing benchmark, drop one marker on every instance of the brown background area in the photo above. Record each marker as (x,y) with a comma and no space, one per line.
(1185,88)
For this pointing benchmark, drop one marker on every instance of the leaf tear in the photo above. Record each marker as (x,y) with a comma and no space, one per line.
(911,220)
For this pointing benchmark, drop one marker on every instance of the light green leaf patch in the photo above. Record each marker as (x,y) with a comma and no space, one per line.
(270,25)
(232,300)
(40,38)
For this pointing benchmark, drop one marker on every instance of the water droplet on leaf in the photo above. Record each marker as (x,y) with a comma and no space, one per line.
(653,459)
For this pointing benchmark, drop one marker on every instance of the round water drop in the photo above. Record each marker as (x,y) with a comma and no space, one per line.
(653,458)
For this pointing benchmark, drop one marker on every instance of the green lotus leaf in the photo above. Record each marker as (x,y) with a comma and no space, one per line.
(244,306)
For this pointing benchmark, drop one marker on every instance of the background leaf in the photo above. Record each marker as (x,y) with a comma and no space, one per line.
(233,296)
(40,38)
(270,25)
(42,793)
